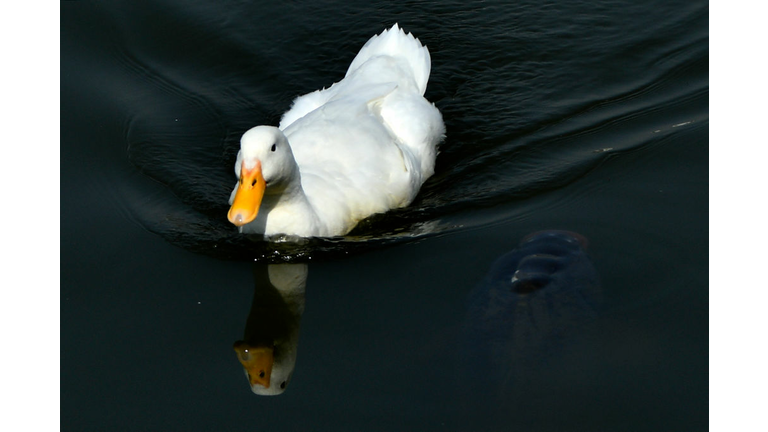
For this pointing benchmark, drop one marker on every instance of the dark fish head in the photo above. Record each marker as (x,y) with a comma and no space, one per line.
(543,258)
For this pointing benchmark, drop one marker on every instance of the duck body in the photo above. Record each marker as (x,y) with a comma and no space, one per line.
(363,146)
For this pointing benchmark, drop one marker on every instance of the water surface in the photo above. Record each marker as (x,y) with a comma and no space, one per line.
(589,116)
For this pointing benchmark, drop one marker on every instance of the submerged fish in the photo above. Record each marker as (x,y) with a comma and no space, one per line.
(533,302)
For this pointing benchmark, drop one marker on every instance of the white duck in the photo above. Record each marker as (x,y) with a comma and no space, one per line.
(363,146)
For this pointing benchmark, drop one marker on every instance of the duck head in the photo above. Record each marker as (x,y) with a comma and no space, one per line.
(265,165)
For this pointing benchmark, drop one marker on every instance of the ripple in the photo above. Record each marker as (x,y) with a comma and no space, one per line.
(527,111)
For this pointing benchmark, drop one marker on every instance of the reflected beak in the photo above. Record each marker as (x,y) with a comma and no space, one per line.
(248,197)
(257,361)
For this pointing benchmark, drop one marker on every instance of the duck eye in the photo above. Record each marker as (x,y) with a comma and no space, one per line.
(274,147)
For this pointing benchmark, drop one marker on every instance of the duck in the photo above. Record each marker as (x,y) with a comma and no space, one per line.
(362,146)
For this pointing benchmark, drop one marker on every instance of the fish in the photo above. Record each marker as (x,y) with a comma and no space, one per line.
(533,302)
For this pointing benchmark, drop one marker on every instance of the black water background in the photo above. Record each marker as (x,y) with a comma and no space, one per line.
(130,317)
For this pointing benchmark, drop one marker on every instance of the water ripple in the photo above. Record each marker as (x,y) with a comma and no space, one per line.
(529,107)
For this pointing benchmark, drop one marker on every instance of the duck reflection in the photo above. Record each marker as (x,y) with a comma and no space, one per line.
(533,302)
(270,343)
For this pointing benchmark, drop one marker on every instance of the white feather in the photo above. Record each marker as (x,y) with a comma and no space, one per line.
(363,146)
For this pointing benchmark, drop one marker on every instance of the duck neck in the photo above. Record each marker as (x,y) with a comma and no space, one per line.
(288,210)
(287,191)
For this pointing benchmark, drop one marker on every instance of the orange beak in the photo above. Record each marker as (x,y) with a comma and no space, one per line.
(248,196)
(257,361)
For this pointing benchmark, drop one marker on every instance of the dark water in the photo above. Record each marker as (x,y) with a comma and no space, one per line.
(587,116)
